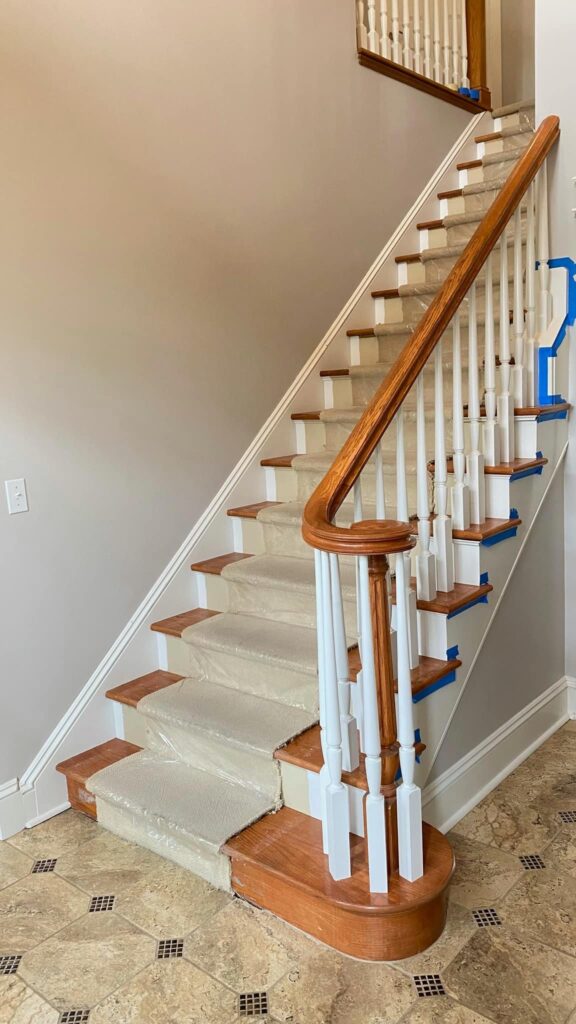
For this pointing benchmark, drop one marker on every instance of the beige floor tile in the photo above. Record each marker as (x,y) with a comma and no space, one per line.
(56,836)
(483,873)
(509,823)
(34,908)
(513,980)
(324,987)
(87,960)
(543,904)
(443,1011)
(459,928)
(13,865)
(170,902)
(570,726)
(20,1005)
(245,948)
(106,863)
(561,853)
(174,992)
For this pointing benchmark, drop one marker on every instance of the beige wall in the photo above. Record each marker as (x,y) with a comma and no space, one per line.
(517,50)
(189,193)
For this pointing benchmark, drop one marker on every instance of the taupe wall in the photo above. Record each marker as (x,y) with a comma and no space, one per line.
(189,193)
(524,651)
(517,50)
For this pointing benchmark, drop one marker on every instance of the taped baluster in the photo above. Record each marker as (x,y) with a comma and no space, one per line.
(373,41)
(384,30)
(456,55)
(408,795)
(417,38)
(406,51)
(491,436)
(348,724)
(475,457)
(428,68)
(446,70)
(425,561)
(396,48)
(460,491)
(464,79)
(505,402)
(442,523)
(436,43)
(531,352)
(374,802)
(337,807)
(361,33)
(519,370)
(403,516)
(358,690)
(324,777)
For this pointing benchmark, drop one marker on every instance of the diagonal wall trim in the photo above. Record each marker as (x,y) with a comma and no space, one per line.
(142,613)
(497,604)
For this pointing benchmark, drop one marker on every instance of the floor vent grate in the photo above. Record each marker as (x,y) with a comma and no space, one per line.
(253,1004)
(168,948)
(531,861)
(486,917)
(74,1017)
(429,985)
(42,867)
(99,904)
(568,817)
(10,963)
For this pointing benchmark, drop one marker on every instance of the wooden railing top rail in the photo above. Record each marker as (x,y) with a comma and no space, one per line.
(384,537)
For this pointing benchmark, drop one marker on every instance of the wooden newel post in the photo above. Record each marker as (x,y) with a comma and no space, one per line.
(476,26)
(379,606)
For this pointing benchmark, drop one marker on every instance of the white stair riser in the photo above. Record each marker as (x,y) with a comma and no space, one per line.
(337,392)
(431,238)
(310,436)
(200,749)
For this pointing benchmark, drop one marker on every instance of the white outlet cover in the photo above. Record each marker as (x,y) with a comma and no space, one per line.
(16,496)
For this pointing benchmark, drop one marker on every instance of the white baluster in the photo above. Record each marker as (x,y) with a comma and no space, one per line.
(417,38)
(324,776)
(374,805)
(475,458)
(384,30)
(358,691)
(425,561)
(337,807)
(464,79)
(460,491)
(491,437)
(396,50)
(442,523)
(437,45)
(373,41)
(519,370)
(380,494)
(531,354)
(428,70)
(446,71)
(505,402)
(456,55)
(348,724)
(361,33)
(403,515)
(406,51)
(544,298)
(408,796)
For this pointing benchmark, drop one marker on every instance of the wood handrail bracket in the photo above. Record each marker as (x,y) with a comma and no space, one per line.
(386,536)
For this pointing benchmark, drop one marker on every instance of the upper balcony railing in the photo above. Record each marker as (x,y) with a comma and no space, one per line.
(435,45)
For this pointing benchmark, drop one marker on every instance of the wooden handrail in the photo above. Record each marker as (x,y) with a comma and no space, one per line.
(385,537)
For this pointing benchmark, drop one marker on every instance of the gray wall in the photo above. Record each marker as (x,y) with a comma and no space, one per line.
(517,50)
(524,651)
(189,193)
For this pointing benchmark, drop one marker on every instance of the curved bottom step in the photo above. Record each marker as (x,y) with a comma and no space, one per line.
(278,864)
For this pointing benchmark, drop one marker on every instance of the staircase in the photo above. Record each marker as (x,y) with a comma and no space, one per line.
(221,765)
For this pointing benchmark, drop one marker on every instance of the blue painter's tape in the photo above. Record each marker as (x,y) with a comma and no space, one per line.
(452,652)
(477,600)
(489,542)
(438,685)
(514,513)
(474,94)
(552,416)
(483,578)
(533,471)
(464,91)
(550,351)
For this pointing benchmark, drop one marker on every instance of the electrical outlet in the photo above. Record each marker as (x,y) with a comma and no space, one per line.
(16,496)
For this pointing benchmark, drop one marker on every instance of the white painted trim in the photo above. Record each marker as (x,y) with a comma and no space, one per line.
(497,605)
(571,691)
(8,788)
(145,609)
(459,789)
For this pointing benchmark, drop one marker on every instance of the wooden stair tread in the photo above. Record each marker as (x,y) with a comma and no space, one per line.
(251,511)
(362,332)
(306,752)
(451,193)
(175,625)
(214,566)
(82,766)
(490,137)
(386,293)
(315,415)
(462,595)
(412,257)
(278,461)
(541,410)
(430,225)
(136,689)
(426,673)
(343,372)
(467,165)
(509,468)
(476,531)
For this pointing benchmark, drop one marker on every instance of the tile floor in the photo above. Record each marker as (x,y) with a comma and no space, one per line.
(160,946)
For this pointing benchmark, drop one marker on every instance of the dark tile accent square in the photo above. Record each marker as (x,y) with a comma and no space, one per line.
(253,1004)
(531,861)
(486,917)
(429,985)
(74,1017)
(99,904)
(568,817)
(42,867)
(10,963)
(168,948)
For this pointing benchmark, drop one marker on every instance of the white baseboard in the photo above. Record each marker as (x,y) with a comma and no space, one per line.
(457,791)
